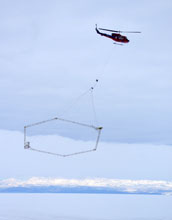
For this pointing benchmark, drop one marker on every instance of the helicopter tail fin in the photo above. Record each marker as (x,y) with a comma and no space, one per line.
(98,32)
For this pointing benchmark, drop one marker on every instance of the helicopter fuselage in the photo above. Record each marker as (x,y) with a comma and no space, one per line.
(114,36)
(119,38)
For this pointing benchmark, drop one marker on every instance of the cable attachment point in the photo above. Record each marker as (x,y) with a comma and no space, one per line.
(27,145)
(94,85)
(99,128)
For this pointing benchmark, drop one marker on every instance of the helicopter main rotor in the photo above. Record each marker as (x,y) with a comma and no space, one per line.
(135,32)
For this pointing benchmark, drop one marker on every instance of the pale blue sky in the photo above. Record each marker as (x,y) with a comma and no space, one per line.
(50,54)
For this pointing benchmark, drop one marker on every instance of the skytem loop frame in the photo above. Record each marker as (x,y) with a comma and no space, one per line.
(28,145)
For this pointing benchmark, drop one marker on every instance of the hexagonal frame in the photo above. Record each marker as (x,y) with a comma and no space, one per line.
(27,145)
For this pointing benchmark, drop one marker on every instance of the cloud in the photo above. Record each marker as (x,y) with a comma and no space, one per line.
(117,185)
(110,161)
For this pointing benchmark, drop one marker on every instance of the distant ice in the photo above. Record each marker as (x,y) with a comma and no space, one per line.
(84,207)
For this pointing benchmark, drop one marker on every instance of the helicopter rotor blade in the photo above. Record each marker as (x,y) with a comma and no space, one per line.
(109,30)
(135,32)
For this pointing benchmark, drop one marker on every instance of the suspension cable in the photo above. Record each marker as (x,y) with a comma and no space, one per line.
(27,145)
(79,98)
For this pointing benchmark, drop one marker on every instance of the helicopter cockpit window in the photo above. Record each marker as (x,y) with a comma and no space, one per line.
(120,38)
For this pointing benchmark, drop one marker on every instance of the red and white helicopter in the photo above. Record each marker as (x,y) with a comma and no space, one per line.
(116,36)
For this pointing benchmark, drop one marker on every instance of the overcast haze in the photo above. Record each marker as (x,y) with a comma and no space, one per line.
(50,54)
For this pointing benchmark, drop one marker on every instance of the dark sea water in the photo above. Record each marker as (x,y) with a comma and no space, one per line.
(84,207)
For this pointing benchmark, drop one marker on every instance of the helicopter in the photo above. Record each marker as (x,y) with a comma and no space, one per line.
(116,36)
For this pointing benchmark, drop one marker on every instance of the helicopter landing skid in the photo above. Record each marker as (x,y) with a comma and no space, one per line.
(118,44)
